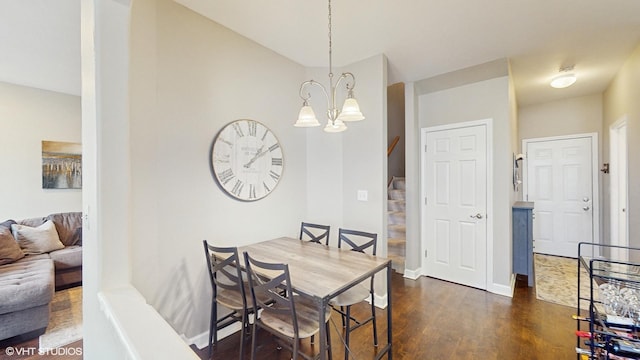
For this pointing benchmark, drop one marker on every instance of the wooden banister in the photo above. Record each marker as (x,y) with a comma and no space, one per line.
(393,145)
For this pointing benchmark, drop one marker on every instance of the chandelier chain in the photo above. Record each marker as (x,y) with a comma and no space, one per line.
(330,47)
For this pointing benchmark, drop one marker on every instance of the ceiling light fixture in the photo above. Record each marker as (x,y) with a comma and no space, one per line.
(565,79)
(350,110)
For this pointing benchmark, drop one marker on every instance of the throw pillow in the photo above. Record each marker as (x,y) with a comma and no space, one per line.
(37,240)
(9,249)
(7,224)
(67,225)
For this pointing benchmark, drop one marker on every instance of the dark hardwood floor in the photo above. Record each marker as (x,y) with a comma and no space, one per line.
(434,319)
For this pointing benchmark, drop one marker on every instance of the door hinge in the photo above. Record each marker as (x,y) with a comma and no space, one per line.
(425,148)
(425,201)
(425,253)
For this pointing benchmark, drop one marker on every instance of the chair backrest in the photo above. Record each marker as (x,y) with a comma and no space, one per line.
(224,269)
(314,233)
(267,293)
(358,240)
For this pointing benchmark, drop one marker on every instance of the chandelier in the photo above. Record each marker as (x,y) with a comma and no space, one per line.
(350,110)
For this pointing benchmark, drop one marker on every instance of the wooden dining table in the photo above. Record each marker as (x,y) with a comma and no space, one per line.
(321,272)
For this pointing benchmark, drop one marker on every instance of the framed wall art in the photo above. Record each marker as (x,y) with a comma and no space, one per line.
(61,165)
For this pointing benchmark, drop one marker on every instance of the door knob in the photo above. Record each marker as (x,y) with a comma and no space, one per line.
(585,199)
(477,216)
(586,208)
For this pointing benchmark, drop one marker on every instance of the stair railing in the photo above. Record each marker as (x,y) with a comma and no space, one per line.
(394,142)
(392,146)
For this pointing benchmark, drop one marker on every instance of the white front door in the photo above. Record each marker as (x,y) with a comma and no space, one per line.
(454,173)
(560,182)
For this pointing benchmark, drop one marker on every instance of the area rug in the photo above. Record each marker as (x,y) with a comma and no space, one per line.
(556,280)
(65,323)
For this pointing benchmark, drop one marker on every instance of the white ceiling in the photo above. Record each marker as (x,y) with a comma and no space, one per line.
(40,44)
(39,39)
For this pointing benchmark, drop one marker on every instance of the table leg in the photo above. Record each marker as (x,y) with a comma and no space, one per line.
(323,330)
(389,272)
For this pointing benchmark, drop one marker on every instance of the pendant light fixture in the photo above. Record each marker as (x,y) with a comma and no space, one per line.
(350,110)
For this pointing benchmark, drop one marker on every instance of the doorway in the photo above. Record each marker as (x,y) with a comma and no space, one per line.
(455,173)
(561,179)
(618,187)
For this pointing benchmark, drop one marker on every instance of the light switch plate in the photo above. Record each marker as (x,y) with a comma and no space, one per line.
(363,195)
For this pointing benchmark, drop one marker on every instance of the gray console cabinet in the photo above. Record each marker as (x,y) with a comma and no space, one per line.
(523,239)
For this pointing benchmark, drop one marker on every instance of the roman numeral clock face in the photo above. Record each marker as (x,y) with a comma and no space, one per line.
(247,160)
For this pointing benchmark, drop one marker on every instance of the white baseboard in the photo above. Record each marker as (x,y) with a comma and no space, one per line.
(412,274)
(504,290)
(381,301)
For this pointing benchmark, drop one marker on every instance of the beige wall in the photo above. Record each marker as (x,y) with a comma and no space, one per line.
(190,77)
(577,115)
(28,116)
(622,98)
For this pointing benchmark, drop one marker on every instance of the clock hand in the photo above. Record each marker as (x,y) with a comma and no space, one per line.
(260,153)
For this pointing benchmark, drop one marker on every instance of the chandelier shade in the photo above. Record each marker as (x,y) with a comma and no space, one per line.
(335,126)
(350,110)
(306,117)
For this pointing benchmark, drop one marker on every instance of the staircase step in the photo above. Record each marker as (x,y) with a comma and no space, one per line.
(397,263)
(397,231)
(396,194)
(396,205)
(399,183)
(396,217)
(396,241)
(396,246)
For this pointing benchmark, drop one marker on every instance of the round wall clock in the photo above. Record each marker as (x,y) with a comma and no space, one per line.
(246,158)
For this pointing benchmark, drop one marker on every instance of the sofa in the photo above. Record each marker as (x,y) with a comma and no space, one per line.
(37,256)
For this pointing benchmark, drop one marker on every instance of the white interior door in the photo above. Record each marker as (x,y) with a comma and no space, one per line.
(560,182)
(454,173)
(618,189)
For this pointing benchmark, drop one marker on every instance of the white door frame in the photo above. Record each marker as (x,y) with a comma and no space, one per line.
(488,123)
(594,175)
(618,173)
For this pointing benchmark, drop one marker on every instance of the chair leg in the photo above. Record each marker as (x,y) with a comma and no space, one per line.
(373,317)
(347,332)
(254,334)
(214,316)
(294,354)
(212,326)
(242,335)
(343,316)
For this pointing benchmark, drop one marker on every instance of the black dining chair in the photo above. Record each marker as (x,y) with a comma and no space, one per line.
(229,290)
(359,241)
(286,315)
(315,233)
